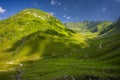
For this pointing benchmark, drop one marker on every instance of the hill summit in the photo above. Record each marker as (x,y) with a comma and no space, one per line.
(31,31)
(30,21)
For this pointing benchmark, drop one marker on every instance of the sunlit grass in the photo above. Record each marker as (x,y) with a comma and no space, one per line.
(51,51)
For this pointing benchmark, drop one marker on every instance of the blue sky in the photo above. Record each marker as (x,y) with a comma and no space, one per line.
(66,10)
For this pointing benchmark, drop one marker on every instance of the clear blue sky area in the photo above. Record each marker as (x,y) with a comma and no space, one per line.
(66,10)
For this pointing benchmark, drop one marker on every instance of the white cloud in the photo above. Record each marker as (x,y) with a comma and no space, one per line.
(103,9)
(2,10)
(118,0)
(68,17)
(75,7)
(35,3)
(59,3)
(53,2)
(77,17)
(52,13)
(64,9)
(65,16)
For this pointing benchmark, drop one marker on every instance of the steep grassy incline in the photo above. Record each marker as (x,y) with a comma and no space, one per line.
(33,34)
(99,60)
(29,21)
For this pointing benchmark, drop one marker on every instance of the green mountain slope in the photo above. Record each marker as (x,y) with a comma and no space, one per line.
(37,46)
(113,28)
(99,60)
(33,34)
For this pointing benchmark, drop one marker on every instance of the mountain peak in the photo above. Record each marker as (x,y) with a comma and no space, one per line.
(34,13)
(29,21)
(32,9)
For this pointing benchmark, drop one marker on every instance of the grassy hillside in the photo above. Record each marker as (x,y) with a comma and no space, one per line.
(100,60)
(28,29)
(37,46)
(33,34)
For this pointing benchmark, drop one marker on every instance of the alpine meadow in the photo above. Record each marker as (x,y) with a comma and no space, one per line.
(36,45)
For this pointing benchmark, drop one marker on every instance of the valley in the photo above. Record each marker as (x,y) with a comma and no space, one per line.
(43,48)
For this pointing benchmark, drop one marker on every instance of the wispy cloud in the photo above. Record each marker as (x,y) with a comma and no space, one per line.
(67,17)
(35,3)
(64,9)
(2,10)
(52,13)
(118,0)
(53,2)
(59,3)
(75,7)
(77,17)
(0,18)
(103,9)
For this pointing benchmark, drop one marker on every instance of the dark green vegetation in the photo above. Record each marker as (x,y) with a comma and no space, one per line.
(39,45)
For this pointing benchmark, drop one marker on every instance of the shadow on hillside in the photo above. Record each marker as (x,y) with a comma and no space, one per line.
(18,44)
(6,75)
(49,43)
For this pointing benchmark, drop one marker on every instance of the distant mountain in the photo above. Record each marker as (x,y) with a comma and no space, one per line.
(112,28)
(92,26)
